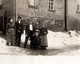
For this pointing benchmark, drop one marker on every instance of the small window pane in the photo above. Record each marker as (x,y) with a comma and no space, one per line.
(51,4)
(51,7)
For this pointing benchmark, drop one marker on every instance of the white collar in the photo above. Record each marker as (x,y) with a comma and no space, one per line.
(19,22)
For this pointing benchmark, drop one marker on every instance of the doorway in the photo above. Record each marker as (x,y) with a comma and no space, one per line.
(1,23)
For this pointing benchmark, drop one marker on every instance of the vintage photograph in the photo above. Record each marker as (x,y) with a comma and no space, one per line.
(40,27)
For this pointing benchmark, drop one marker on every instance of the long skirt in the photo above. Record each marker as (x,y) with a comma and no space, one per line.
(36,42)
(44,42)
(11,36)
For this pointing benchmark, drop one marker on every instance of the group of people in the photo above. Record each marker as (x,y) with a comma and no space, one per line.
(32,32)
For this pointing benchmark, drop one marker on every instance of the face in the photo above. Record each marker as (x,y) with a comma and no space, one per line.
(19,19)
(36,22)
(11,20)
(30,22)
(43,25)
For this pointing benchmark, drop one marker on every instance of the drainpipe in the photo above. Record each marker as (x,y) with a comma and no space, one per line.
(16,9)
(65,14)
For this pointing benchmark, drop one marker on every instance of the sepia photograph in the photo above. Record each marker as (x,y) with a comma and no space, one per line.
(40,27)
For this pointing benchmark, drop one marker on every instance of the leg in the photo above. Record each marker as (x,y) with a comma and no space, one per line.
(26,42)
(19,39)
(31,41)
(16,40)
(44,48)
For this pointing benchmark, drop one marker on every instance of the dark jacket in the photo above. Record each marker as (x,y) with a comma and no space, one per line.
(27,30)
(43,31)
(19,28)
(44,42)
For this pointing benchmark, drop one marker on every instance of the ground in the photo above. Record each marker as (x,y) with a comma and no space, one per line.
(59,44)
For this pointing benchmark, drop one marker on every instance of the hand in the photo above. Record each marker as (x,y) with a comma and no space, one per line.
(44,32)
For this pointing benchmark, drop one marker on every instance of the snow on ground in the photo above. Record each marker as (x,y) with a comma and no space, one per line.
(60,39)
(59,43)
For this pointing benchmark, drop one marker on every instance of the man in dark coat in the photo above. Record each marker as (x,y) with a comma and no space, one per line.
(19,30)
(27,34)
(31,34)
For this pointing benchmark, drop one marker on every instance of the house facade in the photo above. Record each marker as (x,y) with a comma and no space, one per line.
(73,14)
(48,11)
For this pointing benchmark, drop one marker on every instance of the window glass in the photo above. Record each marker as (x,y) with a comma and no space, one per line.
(51,4)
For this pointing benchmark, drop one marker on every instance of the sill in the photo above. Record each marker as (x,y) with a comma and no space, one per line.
(78,11)
(51,10)
(31,6)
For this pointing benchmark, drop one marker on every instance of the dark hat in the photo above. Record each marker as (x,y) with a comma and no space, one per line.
(19,17)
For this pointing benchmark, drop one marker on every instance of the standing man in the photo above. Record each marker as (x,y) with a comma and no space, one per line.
(31,34)
(19,30)
(27,34)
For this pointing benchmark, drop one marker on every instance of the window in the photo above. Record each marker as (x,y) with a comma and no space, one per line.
(0,2)
(78,5)
(32,2)
(51,4)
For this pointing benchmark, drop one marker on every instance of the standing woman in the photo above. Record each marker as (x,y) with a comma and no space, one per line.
(44,42)
(11,32)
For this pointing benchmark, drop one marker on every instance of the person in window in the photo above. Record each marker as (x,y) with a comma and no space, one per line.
(43,32)
(11,32)
(19,30)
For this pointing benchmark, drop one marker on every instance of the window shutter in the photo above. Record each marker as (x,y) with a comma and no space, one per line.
(0,2)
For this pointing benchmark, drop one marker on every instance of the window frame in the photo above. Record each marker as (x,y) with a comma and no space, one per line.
(51,4)
(33,6)
(78,7)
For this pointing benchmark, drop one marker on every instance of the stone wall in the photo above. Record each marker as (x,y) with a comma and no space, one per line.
(9,8)
(42,11)
(14,8)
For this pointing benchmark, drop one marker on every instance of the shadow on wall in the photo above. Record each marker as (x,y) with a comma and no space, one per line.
(73,24)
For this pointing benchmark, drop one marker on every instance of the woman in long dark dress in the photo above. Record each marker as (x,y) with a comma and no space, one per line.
(37,36)
(11,32)
(44,42)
